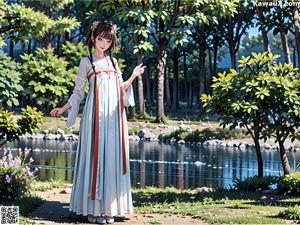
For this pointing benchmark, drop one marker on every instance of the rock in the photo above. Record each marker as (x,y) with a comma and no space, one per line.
(45,131)
(205,143)
(214,142)
(162,126)
(146,134)
(37,136)
(267,146)
(63,192)
(198,163)
(141,134)
(200,190)
(183,127)
(52,137)
(181,142)
(172,139)
(62,137)
(60,131)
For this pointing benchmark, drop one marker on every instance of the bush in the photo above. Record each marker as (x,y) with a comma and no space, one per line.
(194,136)
(291,213)
(9,81)
(15,175)
(255,183)
(46,79)
(290,184)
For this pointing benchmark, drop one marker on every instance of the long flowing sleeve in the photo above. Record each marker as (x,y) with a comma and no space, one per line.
(78,94)
(127,94)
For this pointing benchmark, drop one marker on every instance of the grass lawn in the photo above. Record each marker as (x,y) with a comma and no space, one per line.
(217,207)
(220,206)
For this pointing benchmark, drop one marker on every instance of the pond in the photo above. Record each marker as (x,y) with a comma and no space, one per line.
(160,164)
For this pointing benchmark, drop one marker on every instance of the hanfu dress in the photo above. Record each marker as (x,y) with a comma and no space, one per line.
(101,182)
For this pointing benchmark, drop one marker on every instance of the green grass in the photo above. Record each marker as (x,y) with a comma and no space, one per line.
(48,185)
(220,206)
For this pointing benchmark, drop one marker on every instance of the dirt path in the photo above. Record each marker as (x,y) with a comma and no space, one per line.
(56,211)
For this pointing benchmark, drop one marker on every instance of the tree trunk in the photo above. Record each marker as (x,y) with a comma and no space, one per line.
(167,87)
(202,55)
(29,46)
(58,45)
(140,88)
(190,99)
(185,77)
(260,163)
(286,49)
(264,34)
(175,80)
(47,38)
(66,14)
(231,43)
(284,159)
(295,13)
(147,74)
(162,57)
(11,47)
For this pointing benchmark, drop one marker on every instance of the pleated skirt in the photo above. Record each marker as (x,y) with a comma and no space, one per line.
(113,189)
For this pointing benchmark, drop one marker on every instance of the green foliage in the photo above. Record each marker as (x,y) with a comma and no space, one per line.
(10,129)
(201,135)
(291,213)
(74,52)
(290,184)
(23,22)
(9,81)
(255,183)
(30,120)
(263,96)
(15,175)
(46,79)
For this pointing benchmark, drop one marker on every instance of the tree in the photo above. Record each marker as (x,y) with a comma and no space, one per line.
(263,97)
(236,27)
(278,18)
(10,81)
(46,79)
(264,32)
(10,129)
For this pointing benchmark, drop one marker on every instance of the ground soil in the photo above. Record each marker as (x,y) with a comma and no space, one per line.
(56,211)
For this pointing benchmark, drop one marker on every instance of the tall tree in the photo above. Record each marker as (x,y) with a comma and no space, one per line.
(236,27)
(295,14)
(264,32)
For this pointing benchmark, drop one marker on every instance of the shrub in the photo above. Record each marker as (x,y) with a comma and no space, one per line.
(291,213)
(290,184)
(46,79)
(9,81)
(255,183)
(15,174)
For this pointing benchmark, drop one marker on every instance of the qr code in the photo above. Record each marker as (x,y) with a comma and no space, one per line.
(9,215)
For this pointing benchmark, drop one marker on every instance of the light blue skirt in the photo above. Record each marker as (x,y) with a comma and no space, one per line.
(113,189)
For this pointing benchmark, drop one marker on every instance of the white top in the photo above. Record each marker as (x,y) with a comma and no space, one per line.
(79,90)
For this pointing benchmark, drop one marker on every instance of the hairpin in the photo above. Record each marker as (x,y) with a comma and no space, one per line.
(94,25)
(114,26)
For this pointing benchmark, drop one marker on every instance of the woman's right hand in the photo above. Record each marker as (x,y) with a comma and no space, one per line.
(57,111)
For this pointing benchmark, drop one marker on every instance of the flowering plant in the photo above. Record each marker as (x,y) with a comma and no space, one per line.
(15,174)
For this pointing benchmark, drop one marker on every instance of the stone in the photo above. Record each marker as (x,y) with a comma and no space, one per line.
(60,131)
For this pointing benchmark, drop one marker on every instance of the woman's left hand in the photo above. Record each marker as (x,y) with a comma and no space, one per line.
(138,70)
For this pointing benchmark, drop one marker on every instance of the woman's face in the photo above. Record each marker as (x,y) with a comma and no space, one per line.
(102,44)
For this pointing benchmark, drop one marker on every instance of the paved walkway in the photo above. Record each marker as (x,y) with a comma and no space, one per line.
(56,211)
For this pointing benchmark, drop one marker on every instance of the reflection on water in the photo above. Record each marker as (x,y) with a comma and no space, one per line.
(161,165)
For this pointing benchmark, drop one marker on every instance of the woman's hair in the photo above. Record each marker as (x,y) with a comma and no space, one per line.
(105,30)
